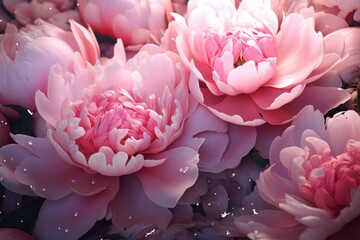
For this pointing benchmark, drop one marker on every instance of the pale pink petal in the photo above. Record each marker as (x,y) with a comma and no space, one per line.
(272,98)
(87,42)
(299,32)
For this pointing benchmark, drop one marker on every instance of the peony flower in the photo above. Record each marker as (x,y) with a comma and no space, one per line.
(115,144)
(27,54)
(247,70)
(56,12)
(136,22)
(316,171)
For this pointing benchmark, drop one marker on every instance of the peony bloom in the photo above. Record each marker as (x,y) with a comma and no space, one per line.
(118,143)
(27,54)
(316,171)
(248,70)
(56,12)
(136,22)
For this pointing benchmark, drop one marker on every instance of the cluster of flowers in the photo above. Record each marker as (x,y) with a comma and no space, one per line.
(199,119)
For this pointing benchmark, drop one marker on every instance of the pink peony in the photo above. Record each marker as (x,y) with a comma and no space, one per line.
(136,22)
(56,12)
(124,138)
(247,70)
(315,169)
(27,54)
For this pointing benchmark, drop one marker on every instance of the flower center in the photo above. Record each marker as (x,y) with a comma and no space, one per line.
(330,183)
(112,118)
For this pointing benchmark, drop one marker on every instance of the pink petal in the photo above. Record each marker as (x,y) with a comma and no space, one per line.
(238,109)
(11,156)
(166,183)
(72,216)
(300,51)
(271,98)
(131,206)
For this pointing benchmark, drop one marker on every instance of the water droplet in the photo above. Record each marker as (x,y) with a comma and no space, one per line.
(21,220)
(30,112)
(4,160)
(184,170)
(4,196)
(254,211)
(224,214)
(233,174)
(129,217)
(1,179)
(44,189)
(252,204)
(73,180)
(12,159)
(66,230)
(76,214)
(227,233)
(25,169)
(59,228)
(93,182)
(209,204)
(215,193)
(30,143)
(149,233)
(17,204)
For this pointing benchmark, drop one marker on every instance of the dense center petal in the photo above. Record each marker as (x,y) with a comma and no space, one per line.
(112,111)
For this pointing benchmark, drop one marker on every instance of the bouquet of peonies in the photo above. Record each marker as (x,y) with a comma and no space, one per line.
(199,119)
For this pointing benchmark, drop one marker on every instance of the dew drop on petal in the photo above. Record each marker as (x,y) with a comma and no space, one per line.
(76,214)
(227,233)
(93,182)
(25,169)
(66,230)
(150,233)
(184,170)
(254,211)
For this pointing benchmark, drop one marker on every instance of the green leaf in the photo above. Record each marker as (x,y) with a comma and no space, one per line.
(26,122)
